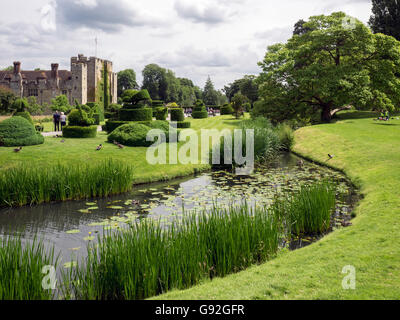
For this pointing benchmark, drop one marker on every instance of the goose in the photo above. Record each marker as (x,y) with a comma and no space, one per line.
(300,163)
(62,141)
(115,142)
(331,156)
(99,147)
(18,149)
(120,146)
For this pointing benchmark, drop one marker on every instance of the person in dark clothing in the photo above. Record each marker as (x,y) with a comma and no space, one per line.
(56,120)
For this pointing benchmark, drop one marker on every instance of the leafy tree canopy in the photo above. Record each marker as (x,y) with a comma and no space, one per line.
(386,17)
(334,66)
(210,95)
(126,81)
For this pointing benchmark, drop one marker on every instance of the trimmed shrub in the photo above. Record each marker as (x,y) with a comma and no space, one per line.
(144,114)
(226,109)
(157,104)
(142,95)
(110,126)
(161,113)
(177,115)
(79,118)
(18,132)
(96,117)
(199,114)
(132,134)
(110,115)
(24,114)
(79,132)
(172,105)
(20,105)
(128,94)
(184,124)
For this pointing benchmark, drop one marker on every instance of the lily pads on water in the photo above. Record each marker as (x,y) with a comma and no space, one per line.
(73,231)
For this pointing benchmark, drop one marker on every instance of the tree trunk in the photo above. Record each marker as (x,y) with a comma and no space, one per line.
(326,113)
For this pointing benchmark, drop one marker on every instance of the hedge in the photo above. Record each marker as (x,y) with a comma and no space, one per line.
(144,114)
(227,109)
(140,96)
(199,114)
(157,104)
(18,132)
(79,132)
(161,113)
(177,115)
(96,117)
(79,118)
(110,126)
(184,124)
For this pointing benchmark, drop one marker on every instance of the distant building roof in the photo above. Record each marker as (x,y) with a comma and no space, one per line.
(34,75)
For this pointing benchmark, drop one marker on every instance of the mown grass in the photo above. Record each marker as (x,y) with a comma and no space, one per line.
(34,185)
(368,152)
(21,269)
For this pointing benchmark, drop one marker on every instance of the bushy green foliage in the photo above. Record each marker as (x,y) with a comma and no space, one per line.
(61,104)
(96,118)
(157,104)
(177,114)
(79,117)
(132,134)
(128,94)
(111,125)
(79,131)
(24,114)
(142,114)
(286,136)
(226,109)
(6,99)
(199,114)
(17,132)
(20,105)
(184,124)
(142,95)
(161,113)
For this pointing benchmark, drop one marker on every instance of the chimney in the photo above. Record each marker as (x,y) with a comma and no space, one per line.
(54,70)
(17,67)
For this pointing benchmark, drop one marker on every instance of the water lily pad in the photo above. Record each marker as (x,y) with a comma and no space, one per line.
(84,211)
(91,203)
(93,208)
(89,238)
(73,231)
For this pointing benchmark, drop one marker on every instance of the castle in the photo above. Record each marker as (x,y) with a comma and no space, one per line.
(90,80)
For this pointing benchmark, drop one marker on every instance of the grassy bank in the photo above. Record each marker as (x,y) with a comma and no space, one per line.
(369,153)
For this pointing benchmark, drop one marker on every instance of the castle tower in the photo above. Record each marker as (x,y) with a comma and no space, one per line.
(79,72)
(16,80)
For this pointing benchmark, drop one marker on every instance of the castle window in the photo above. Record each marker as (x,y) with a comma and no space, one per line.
(33,93)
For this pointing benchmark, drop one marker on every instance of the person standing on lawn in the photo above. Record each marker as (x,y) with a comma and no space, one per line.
(63,120)
(56,120)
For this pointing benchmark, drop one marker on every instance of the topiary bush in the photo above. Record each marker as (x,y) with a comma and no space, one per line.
(18,132)
(143,114)
(199,114)
(24,114)
(96,118)
(79,118)
(157,104)
(177,114)
(184,124)
(79,132)
(110,126)
(226,109)
(132,134)
(161,113)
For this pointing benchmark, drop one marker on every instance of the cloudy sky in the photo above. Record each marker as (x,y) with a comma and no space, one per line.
(195,38)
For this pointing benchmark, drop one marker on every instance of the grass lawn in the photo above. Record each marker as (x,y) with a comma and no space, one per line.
(83,150)
(369,153)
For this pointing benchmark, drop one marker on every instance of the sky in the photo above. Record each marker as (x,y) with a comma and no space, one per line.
(223,39)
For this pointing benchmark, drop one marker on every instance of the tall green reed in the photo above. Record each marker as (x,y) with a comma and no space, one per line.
(26,184)
(151,258)
(21,269)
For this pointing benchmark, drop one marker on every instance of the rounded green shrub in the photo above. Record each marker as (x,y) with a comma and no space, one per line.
(161,113)
(157,104)
(184,124)
(110,126)
(226,109)
(79,132)
(18,132)
(199,114)
(132,134)
(20,105)
(142,95)
(177,114)
(144,114)
(24,114)
(96,117)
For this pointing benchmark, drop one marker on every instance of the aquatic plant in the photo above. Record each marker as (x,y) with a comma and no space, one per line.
(21,269)
(151,258)
(27,184)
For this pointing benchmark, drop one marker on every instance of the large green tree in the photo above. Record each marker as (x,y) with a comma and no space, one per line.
(126,81)
(334,66)
(7,98)
(155,81)
(386,17)
(210,95)
(246,86)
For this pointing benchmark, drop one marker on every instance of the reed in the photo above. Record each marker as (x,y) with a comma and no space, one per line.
(308,210)
(25,184)
(151,258)
(21,269)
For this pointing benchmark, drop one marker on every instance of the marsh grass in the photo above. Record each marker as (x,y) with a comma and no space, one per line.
(151,258)
(309,210)
(26,184)
(21,269)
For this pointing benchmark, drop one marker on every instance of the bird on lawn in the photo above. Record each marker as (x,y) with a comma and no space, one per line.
(331,156)
(18,149)
(300,163)
(115,142)
(62,141)
(99,147)
(120,146)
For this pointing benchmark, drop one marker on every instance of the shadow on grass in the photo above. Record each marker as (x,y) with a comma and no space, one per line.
(386,124)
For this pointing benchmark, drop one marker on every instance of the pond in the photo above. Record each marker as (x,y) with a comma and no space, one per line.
(70,226)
